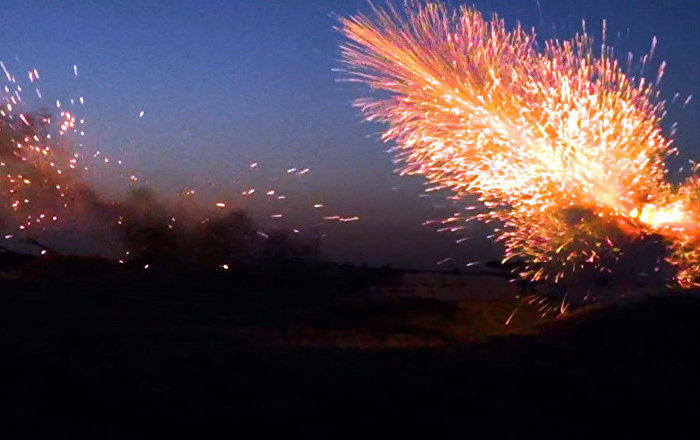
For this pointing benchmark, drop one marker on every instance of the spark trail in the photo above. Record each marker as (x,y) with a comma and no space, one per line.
(561,146)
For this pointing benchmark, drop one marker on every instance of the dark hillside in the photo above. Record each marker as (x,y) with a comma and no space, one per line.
(309,351)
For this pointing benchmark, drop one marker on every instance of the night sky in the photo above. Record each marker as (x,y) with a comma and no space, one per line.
(224,84)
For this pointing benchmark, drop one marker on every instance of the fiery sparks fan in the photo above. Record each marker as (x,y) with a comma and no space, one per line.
(562,147)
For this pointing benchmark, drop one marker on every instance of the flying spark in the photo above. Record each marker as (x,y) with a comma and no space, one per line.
(562,147)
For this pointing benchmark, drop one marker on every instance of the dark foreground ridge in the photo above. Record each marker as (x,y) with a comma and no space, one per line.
(90,350)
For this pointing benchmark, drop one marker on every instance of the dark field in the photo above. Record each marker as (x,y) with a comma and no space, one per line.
(94,350)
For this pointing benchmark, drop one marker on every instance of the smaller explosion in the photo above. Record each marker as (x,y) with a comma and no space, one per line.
(563,148)
(45,190)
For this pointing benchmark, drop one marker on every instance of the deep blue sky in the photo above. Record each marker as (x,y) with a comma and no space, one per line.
(227,83)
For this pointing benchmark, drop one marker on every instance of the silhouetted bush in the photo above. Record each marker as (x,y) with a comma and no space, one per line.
(231,239)
(154,235)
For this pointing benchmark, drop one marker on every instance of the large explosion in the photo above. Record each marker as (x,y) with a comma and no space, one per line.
(562,147)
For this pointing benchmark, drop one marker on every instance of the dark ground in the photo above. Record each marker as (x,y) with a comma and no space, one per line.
(90,350)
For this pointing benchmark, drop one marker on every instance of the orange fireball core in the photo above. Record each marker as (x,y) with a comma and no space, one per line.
(562,147)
